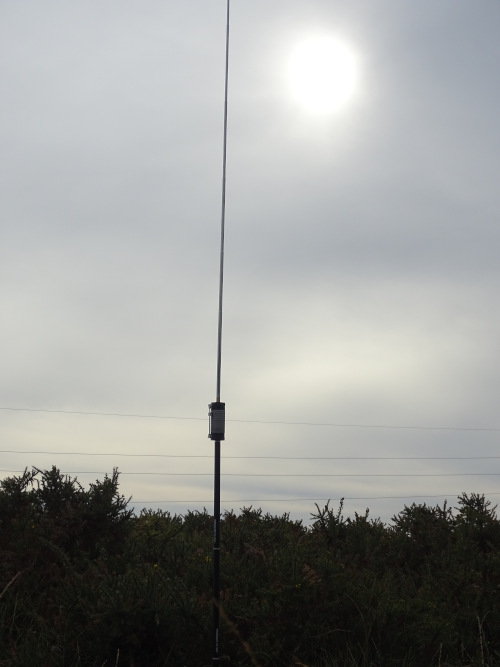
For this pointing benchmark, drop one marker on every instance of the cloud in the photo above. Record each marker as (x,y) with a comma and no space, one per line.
(361,275)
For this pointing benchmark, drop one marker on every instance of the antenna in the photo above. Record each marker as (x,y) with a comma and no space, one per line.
(217,410)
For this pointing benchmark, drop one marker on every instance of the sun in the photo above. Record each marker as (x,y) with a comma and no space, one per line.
(323,74)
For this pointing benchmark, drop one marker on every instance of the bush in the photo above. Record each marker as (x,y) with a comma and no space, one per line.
(85,582)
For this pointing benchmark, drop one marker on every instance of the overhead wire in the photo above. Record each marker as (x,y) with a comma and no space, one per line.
(272,458)
(280,458)
(293,500)
(259,421)
(244,474)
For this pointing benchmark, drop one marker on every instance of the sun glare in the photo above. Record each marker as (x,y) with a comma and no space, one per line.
(323,74)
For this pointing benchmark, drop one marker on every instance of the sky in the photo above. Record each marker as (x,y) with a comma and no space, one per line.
(361,277)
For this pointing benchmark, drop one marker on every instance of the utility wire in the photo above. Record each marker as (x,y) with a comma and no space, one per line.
(268,458)
(258,421)
(302,475)
(293,500)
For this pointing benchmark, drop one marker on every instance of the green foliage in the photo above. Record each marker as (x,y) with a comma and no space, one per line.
(85,582)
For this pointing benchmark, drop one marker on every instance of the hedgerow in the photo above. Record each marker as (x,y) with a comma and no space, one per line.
(84,581)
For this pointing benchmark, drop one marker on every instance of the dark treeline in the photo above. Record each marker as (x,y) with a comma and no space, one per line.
(84,581)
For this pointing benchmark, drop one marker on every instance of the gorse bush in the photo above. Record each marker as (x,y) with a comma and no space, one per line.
(84,581)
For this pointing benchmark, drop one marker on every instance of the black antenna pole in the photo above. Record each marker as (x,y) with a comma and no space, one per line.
(217,410)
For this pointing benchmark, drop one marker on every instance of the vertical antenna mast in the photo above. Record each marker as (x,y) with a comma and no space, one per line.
(223,211)
(217,410)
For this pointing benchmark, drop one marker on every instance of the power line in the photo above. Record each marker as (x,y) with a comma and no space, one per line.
(293,500)
(272,458)
(259,421)
(260,475)
(100,414)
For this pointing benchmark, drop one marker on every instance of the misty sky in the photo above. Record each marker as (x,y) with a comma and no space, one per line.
(361,264)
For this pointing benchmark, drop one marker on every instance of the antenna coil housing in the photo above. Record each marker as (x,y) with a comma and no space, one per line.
(217,420)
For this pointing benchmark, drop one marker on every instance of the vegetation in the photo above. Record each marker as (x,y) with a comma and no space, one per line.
(83,581)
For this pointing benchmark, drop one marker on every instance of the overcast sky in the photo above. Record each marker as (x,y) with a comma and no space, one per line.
(361,263)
